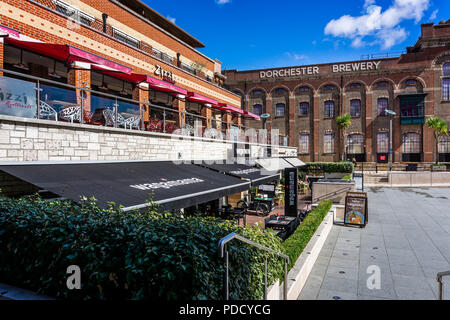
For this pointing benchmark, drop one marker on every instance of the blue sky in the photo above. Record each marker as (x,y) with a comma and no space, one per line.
(254,34)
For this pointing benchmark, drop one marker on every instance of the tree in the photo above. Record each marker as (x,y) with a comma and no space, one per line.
(440,129)
(343,122)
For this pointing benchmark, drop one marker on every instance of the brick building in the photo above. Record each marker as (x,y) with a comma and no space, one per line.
(119,47)
(304,101)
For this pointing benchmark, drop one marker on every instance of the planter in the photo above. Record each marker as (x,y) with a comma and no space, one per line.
(438,168)
(336,175)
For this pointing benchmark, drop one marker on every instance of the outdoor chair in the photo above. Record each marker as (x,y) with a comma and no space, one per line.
(47,112)
(132,122)
(70,114)
(110,118)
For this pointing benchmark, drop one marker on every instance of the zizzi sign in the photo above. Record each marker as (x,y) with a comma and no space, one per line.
(17,98)
(315,70)
(159,71)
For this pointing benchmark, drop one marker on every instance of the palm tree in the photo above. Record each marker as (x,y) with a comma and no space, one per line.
(343,122)
(440,129)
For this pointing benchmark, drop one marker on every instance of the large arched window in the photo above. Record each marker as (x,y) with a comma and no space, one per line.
(355,108)
(383,142)
(304,143)
(304,108)
(329,109)
(411,143)
(446,82)
(355,144)
(328,143)
(280,109)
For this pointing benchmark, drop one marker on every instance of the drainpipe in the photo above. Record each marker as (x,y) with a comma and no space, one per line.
(104,18)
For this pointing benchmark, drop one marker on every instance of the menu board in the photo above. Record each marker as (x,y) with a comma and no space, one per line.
(291,192)
(356,209)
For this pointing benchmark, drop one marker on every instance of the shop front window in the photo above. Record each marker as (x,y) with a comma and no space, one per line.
(355,144)
(444,144)
(411,143)
(446,89)
(383,142)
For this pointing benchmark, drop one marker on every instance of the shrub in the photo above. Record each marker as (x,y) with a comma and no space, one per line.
(134,255)
(294,246)
(328,167)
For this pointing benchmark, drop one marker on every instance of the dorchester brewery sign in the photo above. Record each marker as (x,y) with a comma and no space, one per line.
(316,70)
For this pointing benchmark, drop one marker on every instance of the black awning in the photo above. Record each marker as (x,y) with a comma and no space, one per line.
(247,172)
(131,184)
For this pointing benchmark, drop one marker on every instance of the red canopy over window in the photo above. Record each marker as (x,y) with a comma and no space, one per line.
(195,97)
(227,107)
(252,115)
(69,54)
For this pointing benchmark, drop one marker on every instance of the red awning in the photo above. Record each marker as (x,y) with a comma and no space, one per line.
(195,97)
(164,86)
(70,54)
(252,115)
(227,107)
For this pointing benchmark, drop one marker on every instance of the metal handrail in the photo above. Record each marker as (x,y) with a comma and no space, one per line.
(223,252)
(441,285)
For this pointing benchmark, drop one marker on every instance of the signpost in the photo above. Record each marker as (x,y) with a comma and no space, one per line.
(291,192)
(356,209)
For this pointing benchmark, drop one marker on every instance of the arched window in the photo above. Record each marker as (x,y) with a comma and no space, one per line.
(411,83)
(355,144)
(411,143)
(383,142)
(304,108)
(329,87)
(304,143)
(446,82)
(257,109)
(329,109)
(304,89)
(382,106)
(328,143)
(279,109)
(382,84)
(355,86)
(280,91)
(355,108)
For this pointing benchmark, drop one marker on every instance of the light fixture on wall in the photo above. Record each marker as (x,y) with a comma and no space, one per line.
(54,74)
(21,65)
(180,96)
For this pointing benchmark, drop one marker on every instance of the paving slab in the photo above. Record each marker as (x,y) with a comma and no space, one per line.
(407,240)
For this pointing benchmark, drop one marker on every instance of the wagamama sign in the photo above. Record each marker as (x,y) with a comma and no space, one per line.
(315,70)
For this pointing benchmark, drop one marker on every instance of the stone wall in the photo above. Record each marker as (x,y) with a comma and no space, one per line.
(40,140)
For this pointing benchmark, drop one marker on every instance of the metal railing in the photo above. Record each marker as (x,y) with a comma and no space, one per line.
(116,111)
(441,285)
(223,252)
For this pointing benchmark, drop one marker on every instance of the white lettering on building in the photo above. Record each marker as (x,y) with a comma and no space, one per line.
(315,70)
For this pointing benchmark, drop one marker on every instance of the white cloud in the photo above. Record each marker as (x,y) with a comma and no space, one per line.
(296,56)
(173,20)
(434,14)
(382,26)
(223,1)
(368,3)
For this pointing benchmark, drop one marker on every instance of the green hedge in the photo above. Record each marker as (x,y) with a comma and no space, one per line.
(294,246)
(126,255)
(328,167)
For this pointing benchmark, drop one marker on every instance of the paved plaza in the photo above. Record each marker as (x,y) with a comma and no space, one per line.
(407,238)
